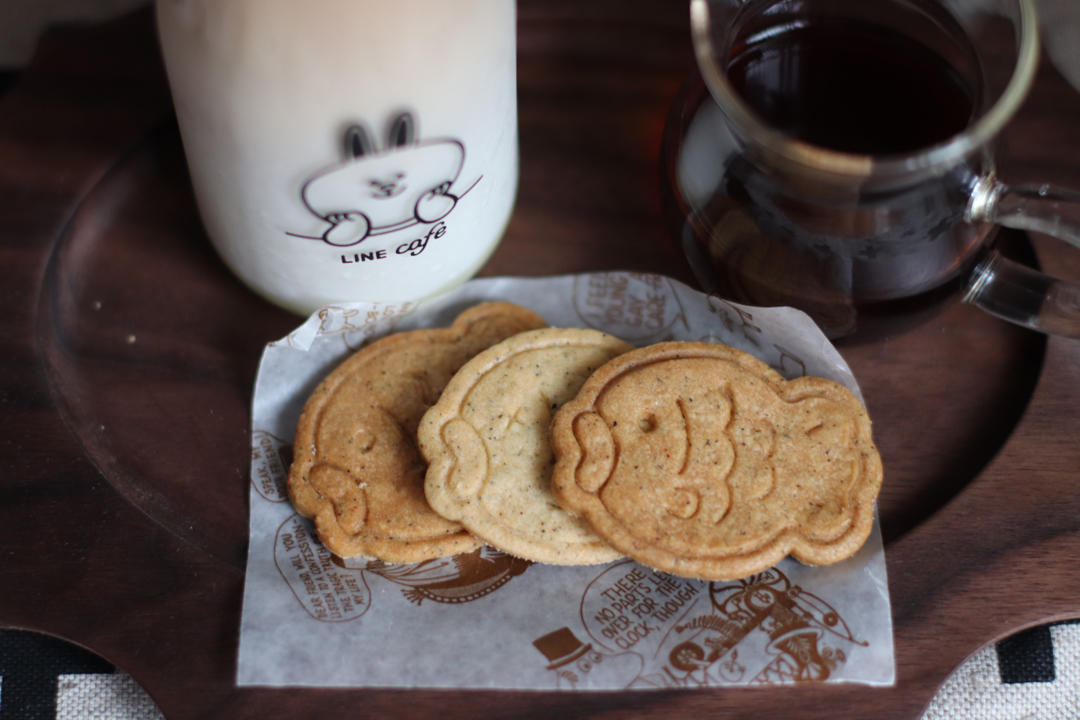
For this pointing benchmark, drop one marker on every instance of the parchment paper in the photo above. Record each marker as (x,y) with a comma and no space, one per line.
(487,620)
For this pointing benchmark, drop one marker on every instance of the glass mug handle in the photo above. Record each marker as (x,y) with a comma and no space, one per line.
(1015,292)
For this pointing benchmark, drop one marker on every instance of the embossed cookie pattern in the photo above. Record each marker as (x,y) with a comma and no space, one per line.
(700,460)
(357,470)
(488,444)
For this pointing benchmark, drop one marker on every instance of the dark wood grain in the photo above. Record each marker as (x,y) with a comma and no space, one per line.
(130,355)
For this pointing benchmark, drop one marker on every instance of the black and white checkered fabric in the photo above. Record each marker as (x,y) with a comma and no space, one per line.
(1032,675)
(42,678)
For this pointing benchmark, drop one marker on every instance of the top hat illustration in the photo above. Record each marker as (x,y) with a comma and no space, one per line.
(561,647)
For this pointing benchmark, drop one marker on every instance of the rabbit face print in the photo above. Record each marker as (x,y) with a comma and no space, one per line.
(376,191)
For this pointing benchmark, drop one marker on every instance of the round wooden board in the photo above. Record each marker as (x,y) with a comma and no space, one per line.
(125,428)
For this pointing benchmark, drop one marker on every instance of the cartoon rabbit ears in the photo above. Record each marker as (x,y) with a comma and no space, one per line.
(358,141)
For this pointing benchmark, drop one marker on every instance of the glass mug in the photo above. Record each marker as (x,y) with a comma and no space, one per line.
(345,150)
(838,158)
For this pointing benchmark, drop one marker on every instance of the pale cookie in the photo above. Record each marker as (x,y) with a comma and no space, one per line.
(700,460)
(356,468)
(488,444)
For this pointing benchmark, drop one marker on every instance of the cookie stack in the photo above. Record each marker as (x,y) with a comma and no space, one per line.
(568,446)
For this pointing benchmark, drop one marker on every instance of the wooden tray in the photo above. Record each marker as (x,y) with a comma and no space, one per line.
(131,352)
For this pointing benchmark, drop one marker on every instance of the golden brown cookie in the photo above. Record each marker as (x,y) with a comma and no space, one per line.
(700,460)
(488,444)
(356,468)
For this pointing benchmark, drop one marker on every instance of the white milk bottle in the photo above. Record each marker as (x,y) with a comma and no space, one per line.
(347,149)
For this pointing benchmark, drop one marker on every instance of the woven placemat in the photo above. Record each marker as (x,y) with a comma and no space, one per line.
(42,677)
(1033,674)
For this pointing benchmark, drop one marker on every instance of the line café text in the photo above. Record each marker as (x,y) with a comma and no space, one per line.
(413,247)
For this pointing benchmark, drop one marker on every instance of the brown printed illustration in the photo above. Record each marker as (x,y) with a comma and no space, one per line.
(736,320)
(270,460)
(358,326)
(575,663)
(333,590)
(454,580)
(790,365)
(787,363)
(686,633)
(740,322)
(355,326)
(327,592)
(632,306)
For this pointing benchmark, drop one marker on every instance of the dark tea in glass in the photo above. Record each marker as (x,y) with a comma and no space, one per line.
(837,156)
(851,85)
(866,80)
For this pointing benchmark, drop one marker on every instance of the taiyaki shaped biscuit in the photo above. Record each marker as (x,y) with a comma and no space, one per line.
(700,460)
(488,444)
(357,469)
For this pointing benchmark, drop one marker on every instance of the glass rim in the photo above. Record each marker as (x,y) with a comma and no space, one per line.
(845,164)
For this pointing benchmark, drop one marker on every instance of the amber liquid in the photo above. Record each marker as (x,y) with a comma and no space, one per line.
(858,87)
(852,86)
